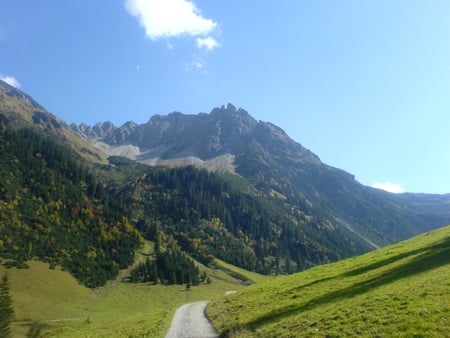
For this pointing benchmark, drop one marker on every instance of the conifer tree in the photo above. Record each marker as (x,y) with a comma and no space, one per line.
(6,310)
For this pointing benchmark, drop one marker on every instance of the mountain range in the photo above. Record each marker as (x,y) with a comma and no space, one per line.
(229,139)
(220,185)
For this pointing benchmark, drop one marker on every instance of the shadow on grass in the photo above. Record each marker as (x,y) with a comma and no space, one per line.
(440,245)
(427,259)
(383,262)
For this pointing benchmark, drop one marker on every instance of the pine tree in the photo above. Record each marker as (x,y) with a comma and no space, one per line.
(6,310)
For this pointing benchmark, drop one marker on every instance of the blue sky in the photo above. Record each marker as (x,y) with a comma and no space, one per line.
(363,84)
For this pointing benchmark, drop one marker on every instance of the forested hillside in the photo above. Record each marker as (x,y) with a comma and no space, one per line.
(52,207)
(212,215)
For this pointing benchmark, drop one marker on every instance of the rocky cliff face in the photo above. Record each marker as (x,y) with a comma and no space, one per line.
(98,131)
(226,130)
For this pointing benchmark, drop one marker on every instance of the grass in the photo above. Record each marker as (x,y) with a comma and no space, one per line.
(399,290)
(55,302)
(245,276)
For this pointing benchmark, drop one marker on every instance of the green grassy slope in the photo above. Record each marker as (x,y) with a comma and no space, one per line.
(64,308)
(399,290)
(245,276)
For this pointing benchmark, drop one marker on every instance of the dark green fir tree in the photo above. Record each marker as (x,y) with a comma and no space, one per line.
(6,309)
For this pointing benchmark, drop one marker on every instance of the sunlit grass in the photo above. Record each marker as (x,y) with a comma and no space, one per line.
(400,290)
(244,275)
(64,308)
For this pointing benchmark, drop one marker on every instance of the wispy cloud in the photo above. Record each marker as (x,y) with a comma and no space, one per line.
(173,18)
(11,80)
(208,43)
(389,186)
(197,64)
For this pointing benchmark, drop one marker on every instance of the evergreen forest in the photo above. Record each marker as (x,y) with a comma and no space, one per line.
(53,208)
(170,266)
(212,215)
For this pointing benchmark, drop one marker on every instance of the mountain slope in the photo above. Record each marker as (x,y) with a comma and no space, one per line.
(229,139)
(216,215)
(18,110)
(53,208)
(399,290)
(266,203)
(53,205)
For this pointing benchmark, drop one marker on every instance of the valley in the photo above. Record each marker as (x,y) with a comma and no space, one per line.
(105,231)
(55,301)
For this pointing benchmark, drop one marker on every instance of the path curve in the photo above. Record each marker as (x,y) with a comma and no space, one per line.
(190,321)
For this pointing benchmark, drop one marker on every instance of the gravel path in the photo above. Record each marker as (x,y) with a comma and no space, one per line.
(190,321)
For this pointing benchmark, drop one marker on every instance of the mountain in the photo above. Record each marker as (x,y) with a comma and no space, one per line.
(192,138)
(230,140)
(219,185)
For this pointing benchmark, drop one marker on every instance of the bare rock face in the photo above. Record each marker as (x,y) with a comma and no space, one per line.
(226,130)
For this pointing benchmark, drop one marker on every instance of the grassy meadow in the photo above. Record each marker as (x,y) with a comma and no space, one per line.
(402,290)
(399,290)
(54,303)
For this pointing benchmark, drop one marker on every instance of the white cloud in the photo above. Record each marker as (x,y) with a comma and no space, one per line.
(11,80)
(389,186)
(208,43)
(170,18)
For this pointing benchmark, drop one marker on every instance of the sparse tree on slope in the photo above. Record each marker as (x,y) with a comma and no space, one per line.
(6,310)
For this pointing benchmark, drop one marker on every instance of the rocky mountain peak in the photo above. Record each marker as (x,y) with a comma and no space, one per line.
(226,130)
(103,128)
(99,131)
